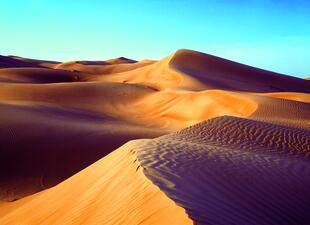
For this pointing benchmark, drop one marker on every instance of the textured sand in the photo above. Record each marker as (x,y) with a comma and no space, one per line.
(244,162)
(230,170)
(294,96)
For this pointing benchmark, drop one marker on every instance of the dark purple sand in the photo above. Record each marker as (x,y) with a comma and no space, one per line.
(230,170)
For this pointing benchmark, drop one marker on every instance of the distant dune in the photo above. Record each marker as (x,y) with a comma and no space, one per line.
(194,71)
(219,142)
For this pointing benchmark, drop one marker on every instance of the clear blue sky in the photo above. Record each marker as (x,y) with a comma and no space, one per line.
(271,34)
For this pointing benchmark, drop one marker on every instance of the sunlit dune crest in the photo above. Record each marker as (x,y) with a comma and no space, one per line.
(191,138)
(113,190)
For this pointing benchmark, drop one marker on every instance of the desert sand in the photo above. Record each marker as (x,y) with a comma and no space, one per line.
(191,138)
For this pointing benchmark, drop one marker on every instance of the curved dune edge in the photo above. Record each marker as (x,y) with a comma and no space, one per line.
(230,170)
(196,71)
(135,103)
(101,67)
(219,73)
(281,111)
(180,109)
(294,96)
(113,190)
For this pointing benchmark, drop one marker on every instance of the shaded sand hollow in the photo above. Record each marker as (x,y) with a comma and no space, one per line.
(58,118)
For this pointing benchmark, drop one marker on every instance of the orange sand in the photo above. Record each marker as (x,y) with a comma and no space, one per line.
(57,118)
(113,190)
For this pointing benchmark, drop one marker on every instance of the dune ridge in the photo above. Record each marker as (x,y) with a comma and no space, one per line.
(191,70)
(114,190)
(229,170)
(219,142)
(221,73)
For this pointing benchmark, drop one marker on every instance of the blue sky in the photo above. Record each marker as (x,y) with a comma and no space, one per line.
(273,35)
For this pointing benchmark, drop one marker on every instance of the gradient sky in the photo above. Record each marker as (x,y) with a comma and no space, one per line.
(273,35)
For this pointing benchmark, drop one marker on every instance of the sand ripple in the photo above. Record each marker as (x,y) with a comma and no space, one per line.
(230,170)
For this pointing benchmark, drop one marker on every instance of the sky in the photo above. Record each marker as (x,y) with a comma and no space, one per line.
(270,34)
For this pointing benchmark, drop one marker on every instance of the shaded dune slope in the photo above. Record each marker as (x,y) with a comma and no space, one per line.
(112,191)
(11,62)
(219,73)
(38,76)
(16,62)
(41,145)
(230,170)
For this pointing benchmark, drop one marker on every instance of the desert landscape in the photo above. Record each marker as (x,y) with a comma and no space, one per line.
(189,139)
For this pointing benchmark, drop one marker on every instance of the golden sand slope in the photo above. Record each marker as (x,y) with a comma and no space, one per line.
(112,191)
(134,102)
(192,70)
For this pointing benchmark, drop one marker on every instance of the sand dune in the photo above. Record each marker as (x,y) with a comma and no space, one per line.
(41,145)
(225,170)
(230,170)
(192,70)
(15,62)
(237,167)
(220,73)
(112,191)
(11,62)
(102,67)
(37,76)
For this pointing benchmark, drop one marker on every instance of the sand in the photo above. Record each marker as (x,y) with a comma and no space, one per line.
(113,190)
(230,170)
(219,142)
(294,96)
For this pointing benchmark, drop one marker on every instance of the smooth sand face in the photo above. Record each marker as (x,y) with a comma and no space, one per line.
(58,118)
(113,190)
